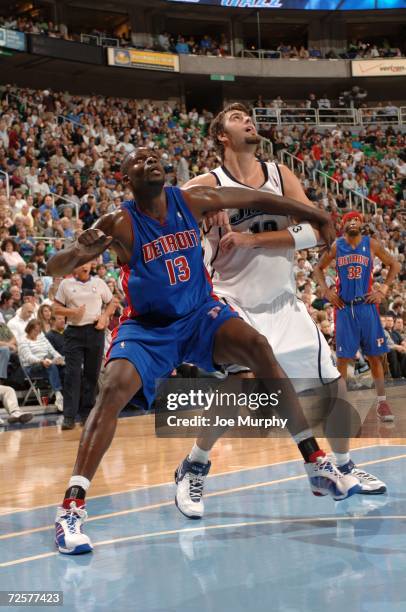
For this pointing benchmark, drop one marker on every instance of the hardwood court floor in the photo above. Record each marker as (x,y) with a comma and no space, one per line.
(36,463)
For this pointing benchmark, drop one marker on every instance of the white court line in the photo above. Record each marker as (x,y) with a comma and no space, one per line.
(156,534)
(269,483)
(164,484)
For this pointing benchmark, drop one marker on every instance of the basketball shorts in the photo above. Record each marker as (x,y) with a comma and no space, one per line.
(298,345)
(155,349)
(359,327)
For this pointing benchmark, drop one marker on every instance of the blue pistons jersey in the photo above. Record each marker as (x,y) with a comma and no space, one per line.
(172,316)
(354,269)
(357,324)
(166,276)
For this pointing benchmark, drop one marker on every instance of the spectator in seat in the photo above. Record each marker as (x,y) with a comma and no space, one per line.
(19,322)
(6,306)
(181,46)
(9,399)
(41,187)
(44,318)
(397,352)
(350,182)
(26,277)
(48,205)
(56,333)
(40,358)
(312,102)
(303,53)
(26,245)
(11,254)
(87,211)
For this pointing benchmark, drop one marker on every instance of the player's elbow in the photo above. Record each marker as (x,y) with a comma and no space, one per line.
(52,268)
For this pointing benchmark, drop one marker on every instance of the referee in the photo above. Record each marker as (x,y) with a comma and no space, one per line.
(81,299)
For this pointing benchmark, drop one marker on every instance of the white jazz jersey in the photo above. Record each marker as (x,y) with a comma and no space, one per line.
(251,277)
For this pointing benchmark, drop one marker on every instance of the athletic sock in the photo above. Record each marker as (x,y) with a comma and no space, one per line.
(308,446)
(381,398)
(342,458)
(76,491)
(197,455)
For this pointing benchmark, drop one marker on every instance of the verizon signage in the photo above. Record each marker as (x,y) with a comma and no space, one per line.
(379,67)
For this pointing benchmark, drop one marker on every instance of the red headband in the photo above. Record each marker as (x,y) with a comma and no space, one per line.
(351,215)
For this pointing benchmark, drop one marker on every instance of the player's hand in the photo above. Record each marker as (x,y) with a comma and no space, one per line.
(375,296)
(218,218)
(77,316)
(102,322)
(332,296)
(237,239)
(327,231)
(92,242)
(46,362)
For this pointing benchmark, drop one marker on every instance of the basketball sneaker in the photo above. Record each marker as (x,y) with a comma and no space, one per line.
(69,538)
(326,479)
(189,479)
(384,412)
(370,485)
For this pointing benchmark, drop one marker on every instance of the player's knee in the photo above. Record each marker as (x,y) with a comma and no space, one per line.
(261,349)
(113,397)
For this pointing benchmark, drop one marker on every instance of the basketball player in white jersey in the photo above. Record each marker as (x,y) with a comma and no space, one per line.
(252,270)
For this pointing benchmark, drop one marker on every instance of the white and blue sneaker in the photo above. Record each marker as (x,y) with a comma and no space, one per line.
(69,538)
(370,485)
(189,479)
(326,479)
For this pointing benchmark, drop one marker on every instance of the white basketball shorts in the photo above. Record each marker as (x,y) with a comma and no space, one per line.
(297,343)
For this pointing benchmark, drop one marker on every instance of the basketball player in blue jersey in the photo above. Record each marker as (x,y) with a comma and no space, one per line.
(172,317)
(250,256)
(358,324)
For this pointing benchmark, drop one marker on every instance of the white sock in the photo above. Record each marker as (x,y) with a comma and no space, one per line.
(302,435)
(381,398)
(197,455)
(79,481)
(342,458)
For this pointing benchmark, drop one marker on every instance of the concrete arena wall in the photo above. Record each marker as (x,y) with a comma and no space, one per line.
(285,68)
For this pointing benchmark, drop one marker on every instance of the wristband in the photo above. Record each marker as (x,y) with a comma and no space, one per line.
(304,236)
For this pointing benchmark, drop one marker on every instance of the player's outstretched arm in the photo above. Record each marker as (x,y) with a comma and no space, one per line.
(206,199)
(318,273)
(91,243)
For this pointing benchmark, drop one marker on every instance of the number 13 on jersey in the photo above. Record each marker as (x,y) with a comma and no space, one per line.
(178,270)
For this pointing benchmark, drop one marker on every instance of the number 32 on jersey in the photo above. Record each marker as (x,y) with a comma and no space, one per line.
(354,272)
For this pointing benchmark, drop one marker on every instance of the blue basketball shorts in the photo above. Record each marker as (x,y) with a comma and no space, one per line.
(156,349)
(359,327)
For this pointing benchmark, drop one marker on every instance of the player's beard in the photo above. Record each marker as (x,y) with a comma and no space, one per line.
(353,232)
(253,139)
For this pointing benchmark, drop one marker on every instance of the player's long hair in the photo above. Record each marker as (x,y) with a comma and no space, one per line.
(217,125)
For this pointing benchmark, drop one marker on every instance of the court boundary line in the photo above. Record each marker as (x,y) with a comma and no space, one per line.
(157,505)
(163,484)
(155,534)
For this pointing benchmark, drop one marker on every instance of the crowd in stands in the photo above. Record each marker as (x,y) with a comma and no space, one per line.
(35,26)
(204,44)
(200,45)
(380,112)
(63,155)
(356,50)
